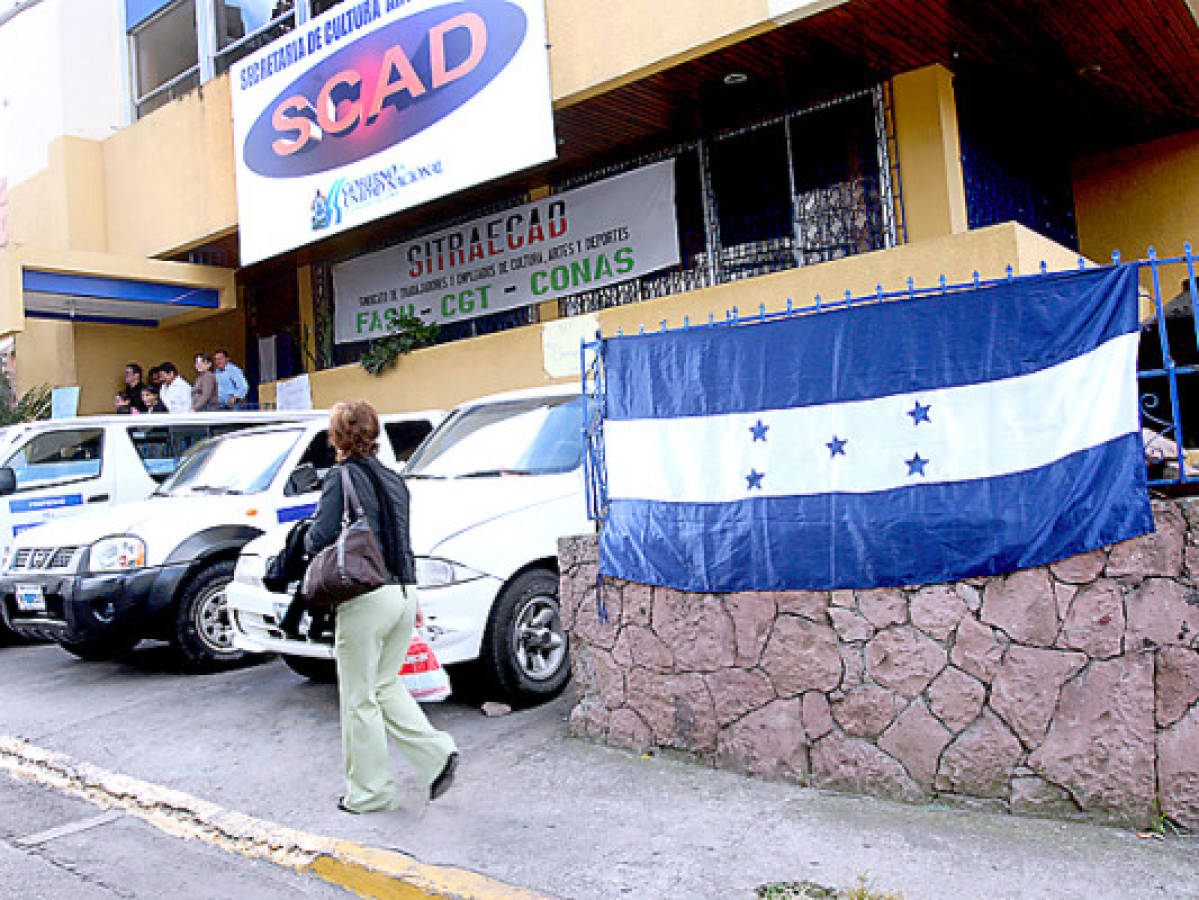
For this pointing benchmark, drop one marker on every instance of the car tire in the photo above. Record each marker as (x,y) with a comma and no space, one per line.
(526,652)
(203,636)
(100,649)
(323,671)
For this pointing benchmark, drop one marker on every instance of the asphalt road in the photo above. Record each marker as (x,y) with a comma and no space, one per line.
(531,806)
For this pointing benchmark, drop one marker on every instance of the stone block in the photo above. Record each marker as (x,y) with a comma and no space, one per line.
(1100,744)
(638,604)
(609,679)
(677,708)
(752,615)
(936,610)
(857,766)
(1026,687)
(696,628)
(1177,684)
(738,691)
(802,656)
(853,666)
(1081,569)
(971,595)
(587,627)
(844,599)
(809,604)
(1178,770)
(1158,554)
(817,717)
(589,719)
(769,741)
(1094,622)
(1023,605)
(980,760)
(1034,796)
(1064,595)
(904,660)
(956,698)
(866,711)
(626,729)
(916,739)
(638,646)
(883,607)
(1161,613)
(850,626)
(976,650)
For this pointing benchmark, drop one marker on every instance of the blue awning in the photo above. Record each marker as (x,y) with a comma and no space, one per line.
(117,301)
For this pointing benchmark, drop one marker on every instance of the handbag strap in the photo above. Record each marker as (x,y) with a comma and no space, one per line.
(349,498)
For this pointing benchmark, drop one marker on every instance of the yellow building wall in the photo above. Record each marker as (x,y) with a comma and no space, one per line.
(169,177)
(443,376)
(596,45)
(930,155)
(101,352)
(45,354)
(1139,197)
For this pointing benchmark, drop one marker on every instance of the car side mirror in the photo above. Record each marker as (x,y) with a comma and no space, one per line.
(8,481)
(303,479)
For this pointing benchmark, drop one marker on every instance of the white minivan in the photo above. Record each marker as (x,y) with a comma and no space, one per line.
(492,491)
(103,580)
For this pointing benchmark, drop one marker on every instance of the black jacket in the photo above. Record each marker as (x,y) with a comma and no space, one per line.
(326,523)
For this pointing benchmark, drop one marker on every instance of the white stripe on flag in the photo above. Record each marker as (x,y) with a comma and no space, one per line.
(972,431)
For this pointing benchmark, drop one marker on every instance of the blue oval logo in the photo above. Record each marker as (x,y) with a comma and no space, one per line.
(384,88)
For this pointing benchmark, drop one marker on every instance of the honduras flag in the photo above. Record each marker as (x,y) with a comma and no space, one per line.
(909,442)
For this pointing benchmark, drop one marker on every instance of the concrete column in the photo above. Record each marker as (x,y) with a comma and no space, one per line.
(930,154)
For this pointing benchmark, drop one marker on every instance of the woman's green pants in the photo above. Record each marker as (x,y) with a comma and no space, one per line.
(373,633)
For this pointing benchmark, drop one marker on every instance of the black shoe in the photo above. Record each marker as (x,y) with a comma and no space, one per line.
(341,804)
(442,782)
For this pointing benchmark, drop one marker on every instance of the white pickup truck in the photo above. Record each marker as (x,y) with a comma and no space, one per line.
(103,580)
(492,490)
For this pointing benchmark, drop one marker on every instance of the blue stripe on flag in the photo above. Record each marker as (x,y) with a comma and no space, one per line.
(870,350)
(1082,502)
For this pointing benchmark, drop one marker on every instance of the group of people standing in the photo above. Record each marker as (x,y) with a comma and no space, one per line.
(219,384)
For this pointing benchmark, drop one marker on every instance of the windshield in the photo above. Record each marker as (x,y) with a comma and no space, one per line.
(538,436)
(237,464)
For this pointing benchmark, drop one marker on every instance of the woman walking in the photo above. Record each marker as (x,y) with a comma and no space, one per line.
(374,629)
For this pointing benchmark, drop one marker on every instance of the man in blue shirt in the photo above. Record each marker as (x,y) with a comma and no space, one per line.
(231,384)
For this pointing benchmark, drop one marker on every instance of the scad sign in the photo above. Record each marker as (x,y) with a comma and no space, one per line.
(380,105)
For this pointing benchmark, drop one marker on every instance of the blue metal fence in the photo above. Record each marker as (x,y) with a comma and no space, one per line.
(1169,400)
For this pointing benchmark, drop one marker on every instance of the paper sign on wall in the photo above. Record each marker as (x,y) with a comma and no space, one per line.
(295,393)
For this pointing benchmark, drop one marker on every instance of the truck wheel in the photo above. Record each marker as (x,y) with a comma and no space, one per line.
(312,668)
(526,654)
(99,649)
(203,633)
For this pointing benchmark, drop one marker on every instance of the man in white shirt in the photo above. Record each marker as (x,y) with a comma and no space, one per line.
(175,392)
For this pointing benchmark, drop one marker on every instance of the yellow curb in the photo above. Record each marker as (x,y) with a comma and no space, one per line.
(367,871)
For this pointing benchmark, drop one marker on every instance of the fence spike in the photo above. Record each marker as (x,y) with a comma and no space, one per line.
(711,318)
(686,321)
(976,278)
(1082,263)
(848,297)
(1152,254)
(1115,257)
(641,329)
(1186,248)
(663,325)
(1010,272)
(878,292)
(911,287)
(788,306)
(620,331)
(943,281)
(818,301)
(1044,267)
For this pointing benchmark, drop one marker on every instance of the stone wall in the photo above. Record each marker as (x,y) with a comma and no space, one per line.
(1068,689)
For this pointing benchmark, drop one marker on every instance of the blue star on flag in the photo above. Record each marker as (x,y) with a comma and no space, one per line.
(919,414)
(754,479)
(916,465)
(836,446)
(759,431)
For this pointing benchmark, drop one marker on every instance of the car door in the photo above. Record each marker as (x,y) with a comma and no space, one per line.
(57,472)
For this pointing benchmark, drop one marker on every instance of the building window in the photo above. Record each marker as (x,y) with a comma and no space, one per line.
(166,56)
(242,26)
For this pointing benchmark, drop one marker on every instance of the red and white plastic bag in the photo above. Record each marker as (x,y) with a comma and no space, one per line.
(423,675)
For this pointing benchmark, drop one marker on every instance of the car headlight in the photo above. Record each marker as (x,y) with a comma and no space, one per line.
(249,569)
(432,572)
(117,554)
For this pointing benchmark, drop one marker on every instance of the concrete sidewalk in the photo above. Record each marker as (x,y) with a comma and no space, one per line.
(538,809)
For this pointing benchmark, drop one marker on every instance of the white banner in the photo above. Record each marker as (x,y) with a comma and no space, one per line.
(578,240)
(784,11)
(381,105)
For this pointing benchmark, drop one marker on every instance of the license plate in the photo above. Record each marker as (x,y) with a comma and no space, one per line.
(30,598)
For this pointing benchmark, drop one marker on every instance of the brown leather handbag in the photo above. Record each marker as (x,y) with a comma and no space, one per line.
(353,564)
